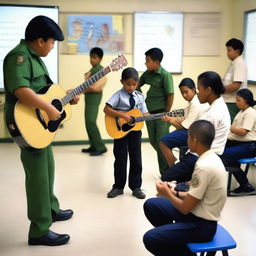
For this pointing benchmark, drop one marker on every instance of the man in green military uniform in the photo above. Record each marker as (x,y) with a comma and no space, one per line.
(24,75)
(159,99)
(93,96)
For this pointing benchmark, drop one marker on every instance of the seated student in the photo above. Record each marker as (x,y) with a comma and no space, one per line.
(121,102)
(188,217)
(210,88)
(242,139)
(179,137)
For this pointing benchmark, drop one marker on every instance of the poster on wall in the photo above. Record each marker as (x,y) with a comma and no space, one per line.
(202,33)
(250,45)
(86,32)
(159,29)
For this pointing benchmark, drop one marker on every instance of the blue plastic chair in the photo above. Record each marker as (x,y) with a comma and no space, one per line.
(222,241)
(230,170)
(248,162)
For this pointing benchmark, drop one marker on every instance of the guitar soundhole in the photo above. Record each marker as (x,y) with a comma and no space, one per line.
(57,104)
(53,125)
(126,127)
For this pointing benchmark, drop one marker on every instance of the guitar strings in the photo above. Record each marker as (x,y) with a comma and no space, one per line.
(83,86)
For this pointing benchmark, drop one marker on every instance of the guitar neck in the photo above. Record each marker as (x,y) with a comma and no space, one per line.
(179,112)
(80,89)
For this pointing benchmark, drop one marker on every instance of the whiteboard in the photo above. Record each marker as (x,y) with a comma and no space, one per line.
(163,30)
(13,22)
(250,44)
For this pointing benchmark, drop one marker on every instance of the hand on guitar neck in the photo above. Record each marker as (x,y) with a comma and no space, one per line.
(75,100)
(174,121)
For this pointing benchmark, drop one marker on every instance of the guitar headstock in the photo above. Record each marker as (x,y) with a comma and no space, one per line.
(118,63)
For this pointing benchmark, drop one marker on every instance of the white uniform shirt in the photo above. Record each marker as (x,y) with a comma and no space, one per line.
(219,116)
(247,120)
(193,111)
(236,72)
(208,185)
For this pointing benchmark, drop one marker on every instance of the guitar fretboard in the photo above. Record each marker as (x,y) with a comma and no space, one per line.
(80,89)
(179,112)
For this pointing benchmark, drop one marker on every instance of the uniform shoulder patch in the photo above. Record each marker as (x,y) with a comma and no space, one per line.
(195,181)
(20,59)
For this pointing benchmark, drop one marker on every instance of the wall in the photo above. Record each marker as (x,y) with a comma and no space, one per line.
(240,7)
(72,67)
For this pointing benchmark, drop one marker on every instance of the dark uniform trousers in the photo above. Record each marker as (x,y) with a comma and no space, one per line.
(41,201)
(173,230)
(130,144)
(181,171)
(156,130)
(92,102)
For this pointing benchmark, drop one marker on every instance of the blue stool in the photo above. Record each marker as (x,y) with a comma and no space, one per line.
(230,170)
(248,162)
(222,241)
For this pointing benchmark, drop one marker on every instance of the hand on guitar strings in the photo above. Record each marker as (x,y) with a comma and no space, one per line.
(129,119)
(52,113)
(75,99)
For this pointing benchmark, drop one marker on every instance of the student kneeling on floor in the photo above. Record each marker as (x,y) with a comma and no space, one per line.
(184,217)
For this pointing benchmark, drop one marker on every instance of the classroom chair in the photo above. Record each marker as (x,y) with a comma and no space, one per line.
(222,241)
(230,170)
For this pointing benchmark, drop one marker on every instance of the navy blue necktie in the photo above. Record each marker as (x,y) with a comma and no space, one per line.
(132,101)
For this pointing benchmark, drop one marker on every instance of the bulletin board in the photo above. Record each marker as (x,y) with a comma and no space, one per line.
(177,34)
(250,44)
(88,31)
(202,33)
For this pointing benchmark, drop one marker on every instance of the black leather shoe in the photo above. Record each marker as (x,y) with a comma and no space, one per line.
(137,192)
(50,239)
(62,215)
(98,153)
(87,150)
(114,192)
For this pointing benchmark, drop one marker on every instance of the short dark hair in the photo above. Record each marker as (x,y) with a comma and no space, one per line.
(203,131)
(247,95)
(155,54)
(130,73)
(213,80)
(97,51)
(187,82)
(43,27)
(236,44)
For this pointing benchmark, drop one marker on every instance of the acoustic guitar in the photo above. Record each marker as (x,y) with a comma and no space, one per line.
(32,127)
(118,127)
